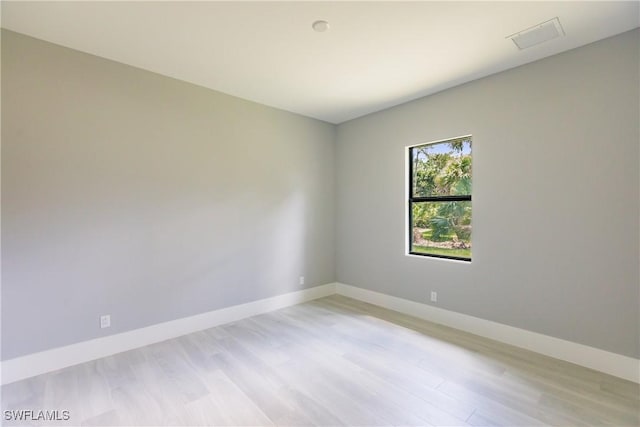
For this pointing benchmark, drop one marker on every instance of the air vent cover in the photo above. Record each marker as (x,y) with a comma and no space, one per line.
(537,34)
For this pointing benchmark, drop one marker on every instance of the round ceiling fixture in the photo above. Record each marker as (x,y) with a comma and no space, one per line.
(320,26)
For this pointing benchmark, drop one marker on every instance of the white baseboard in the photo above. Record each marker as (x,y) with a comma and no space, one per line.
(50,360)
(61,357)
(590,357)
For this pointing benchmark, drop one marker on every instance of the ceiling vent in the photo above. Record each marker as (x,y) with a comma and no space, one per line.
(537,34)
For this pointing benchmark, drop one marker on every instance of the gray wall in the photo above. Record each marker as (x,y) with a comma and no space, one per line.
(555,197)
(133,194)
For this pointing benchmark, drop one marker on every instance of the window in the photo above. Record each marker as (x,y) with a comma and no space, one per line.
(440,199)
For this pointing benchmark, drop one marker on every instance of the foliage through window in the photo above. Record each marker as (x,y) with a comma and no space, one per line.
(440,199)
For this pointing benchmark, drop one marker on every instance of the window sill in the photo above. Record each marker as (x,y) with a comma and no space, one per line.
(438,257)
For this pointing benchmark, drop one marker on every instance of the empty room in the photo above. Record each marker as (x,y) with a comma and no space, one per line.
(320,213)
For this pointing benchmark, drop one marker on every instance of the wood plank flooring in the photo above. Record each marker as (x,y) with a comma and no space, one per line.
(329,362)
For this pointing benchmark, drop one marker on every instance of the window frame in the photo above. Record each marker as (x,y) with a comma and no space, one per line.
(411,199)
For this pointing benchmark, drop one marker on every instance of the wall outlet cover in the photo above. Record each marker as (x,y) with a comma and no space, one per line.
(105,321)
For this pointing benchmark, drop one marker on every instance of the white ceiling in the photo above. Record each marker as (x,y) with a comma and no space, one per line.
(375,55)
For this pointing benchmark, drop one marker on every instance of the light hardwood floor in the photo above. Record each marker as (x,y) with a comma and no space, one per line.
(329,362)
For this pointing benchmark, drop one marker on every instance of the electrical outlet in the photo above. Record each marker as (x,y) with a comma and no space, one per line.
(302,280)
(105,321)
(434,296)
